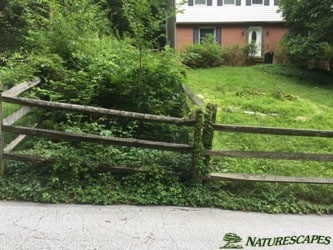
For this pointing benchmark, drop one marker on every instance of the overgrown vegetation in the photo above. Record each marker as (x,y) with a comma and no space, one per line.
(73,48)
(79,181)
(236,55)
(209,54)
(80,61)
(309,40)
(203,55)
(275,96)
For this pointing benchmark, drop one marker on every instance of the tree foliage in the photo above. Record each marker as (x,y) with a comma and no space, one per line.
(12,24)
(146,20)
(116,16)
(310,24)
(69,44)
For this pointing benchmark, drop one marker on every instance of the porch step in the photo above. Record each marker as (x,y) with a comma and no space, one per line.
(258,60)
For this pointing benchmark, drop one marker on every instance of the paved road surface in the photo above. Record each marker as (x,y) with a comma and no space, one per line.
(44,226)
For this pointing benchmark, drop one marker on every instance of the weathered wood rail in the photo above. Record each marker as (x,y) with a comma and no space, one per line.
(211,126)
(96,111)
(204,125)
(11,96)
(272,131)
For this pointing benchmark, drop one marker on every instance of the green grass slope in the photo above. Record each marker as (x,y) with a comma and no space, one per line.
(274,96)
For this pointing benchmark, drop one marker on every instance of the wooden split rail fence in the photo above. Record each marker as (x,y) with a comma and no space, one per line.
(203,124)
(11,96)
(210,126)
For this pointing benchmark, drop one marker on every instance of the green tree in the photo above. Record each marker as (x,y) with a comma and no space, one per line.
(310,36)
(116,16)
(13,25)
(232,239)
(146,20)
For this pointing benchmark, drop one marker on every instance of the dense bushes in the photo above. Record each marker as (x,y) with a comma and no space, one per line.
(69,46)
(80,62)
(211,54)
(280,54)
(202,55)
(235,55)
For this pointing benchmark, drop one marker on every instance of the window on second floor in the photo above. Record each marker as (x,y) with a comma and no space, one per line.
(257,1)
(231,2)
(199,2)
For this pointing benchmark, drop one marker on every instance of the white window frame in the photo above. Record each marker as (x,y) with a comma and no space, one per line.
(206,27)
(199,4)
(229,4)
(262,3)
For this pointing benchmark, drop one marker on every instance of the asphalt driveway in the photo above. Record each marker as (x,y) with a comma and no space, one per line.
(44,226)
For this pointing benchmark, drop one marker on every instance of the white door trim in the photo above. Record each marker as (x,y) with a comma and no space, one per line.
(255,34)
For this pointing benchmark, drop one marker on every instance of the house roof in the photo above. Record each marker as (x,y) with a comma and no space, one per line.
(228,14)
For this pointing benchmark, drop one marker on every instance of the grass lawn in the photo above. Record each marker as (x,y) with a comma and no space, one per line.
(275,96)
(299,99)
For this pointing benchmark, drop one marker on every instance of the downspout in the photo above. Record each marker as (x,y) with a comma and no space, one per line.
(171,25)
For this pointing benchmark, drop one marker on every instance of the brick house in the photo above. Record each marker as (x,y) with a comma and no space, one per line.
(229,21)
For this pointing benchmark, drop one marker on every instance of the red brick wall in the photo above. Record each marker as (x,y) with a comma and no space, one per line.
(272,35)
(233,34)
(184,36)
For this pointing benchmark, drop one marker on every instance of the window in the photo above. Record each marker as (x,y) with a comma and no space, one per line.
(200,2)
(202,33)
(231,2)
(206,32)
(257,2)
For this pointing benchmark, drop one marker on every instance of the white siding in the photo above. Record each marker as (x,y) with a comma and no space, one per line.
(217,14)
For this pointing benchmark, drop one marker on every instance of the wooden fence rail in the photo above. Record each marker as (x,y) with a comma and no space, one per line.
(203,124)
(210,126)
(272,131)
(10,96)
(20,88)
(104,140)
(194,98)
(269,155)
(266,178)
(96,111)
(272,155)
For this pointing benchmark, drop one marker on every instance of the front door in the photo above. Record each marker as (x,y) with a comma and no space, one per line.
(255,38)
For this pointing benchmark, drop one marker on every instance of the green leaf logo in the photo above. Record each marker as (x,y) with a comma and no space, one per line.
(232,239)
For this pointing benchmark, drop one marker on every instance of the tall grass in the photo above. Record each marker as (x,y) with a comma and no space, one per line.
(276,96)
(9,109)
(269,95)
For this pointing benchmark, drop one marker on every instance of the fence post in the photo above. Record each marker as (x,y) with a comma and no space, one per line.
(197,157)
(208,131)
(2,166)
